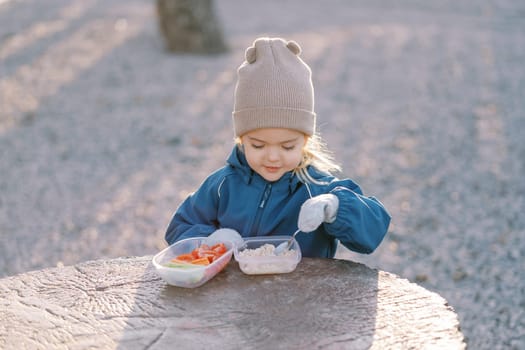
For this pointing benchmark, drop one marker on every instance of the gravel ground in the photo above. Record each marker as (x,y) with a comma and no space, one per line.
(103,133)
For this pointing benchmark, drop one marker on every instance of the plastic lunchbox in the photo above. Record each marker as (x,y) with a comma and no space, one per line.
(189,277)
(255,264)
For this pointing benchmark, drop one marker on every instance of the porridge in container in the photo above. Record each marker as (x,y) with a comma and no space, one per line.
(257,256)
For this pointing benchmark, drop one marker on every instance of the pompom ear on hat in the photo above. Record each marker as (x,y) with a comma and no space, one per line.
(294,47)
(274,89)
(251,52)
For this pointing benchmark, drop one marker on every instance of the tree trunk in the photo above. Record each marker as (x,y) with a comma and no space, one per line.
(190,26)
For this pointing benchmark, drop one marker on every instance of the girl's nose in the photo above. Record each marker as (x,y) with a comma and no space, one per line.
(273,154)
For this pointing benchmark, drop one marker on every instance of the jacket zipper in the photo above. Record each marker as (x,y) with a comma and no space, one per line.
(262,204)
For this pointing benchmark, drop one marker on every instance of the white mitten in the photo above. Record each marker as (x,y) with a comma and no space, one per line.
(225,234)
(316,210)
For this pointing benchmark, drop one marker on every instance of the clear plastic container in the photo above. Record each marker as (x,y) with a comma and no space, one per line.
(272,264)
(190,277)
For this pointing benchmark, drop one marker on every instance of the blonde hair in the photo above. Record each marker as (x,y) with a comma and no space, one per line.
(316,154)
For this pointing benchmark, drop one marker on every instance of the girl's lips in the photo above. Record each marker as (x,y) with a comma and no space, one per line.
(272,169)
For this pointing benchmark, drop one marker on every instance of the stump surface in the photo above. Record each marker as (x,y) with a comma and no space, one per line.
(122,303)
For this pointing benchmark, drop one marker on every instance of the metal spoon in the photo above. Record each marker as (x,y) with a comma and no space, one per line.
(281,248)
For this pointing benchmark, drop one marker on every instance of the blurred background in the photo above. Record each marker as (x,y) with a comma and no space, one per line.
(103,132)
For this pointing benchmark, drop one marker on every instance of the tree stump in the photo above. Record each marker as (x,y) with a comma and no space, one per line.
(190,26)
(123,304)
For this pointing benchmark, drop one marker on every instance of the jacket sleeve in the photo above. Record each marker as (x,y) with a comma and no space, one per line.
(362,222)
(197,215)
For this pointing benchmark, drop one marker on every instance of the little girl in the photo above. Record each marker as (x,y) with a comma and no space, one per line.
(279,177)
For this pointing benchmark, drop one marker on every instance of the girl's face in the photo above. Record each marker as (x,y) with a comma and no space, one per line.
(274,151)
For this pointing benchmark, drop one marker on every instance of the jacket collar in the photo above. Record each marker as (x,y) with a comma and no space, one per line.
(238,162)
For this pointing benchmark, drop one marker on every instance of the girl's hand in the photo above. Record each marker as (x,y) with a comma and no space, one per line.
(225,234)
(316,210)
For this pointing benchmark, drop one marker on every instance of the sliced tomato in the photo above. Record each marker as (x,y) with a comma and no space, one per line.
(208,254)
(185,257)
(195,253)
(203,255)
(219,248)
(202,252)
(201,261)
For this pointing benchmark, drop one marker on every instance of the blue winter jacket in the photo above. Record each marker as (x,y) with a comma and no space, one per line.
(236,197)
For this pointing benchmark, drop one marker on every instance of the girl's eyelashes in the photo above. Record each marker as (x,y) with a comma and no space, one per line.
(260,146)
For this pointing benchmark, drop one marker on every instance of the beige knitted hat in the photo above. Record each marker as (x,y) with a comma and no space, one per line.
(274,89)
